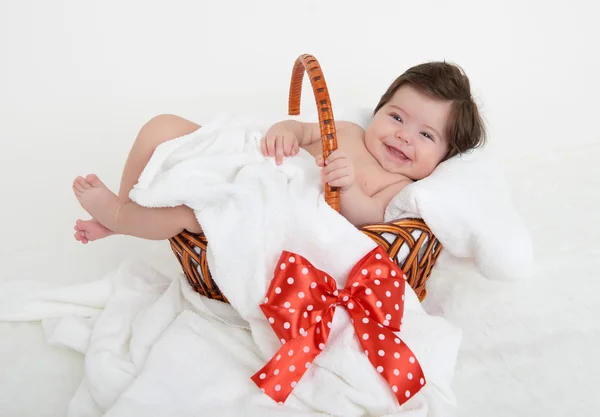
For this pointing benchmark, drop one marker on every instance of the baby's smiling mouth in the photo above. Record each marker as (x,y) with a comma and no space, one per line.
(397,153)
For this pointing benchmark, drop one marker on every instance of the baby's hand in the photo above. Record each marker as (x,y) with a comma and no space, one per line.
(338,171)
(279,143)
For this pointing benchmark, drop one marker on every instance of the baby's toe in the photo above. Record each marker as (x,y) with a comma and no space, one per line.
(93,180)
(77,188)
(82,183)
(81,237)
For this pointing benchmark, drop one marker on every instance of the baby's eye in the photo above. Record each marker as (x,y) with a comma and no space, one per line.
(396,117)
(427,135)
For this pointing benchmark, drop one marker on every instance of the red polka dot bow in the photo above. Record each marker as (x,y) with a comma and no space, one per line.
(300,304)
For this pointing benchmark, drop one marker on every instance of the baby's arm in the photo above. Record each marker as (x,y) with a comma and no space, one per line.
(356,206)
(359,208)
(305,133)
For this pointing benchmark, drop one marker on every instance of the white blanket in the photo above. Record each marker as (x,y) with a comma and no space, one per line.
(467,205)
(152,353)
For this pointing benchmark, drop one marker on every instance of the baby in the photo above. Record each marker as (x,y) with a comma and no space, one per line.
(426,116)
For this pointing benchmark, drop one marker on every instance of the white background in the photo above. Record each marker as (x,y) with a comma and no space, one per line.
(78,79)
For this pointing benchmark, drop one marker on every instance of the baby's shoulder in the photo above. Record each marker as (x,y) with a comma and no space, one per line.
(349,131)
(350,127)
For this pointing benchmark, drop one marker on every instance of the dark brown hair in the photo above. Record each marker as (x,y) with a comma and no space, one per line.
(448,82)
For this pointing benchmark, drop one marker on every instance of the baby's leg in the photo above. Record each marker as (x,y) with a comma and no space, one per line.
(157,130)
(149,223)
(129,218)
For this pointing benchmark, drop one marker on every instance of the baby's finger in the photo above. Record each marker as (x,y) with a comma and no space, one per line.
(319,161)
(263,146)
(334,176)
(279,150)
(288,145)
(271,146)
(335,156)
(340,182)
(335,165)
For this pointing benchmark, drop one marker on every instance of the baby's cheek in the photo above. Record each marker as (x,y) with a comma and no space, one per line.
(428,169)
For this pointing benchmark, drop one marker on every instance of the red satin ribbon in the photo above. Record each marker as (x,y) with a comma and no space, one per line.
(300,304)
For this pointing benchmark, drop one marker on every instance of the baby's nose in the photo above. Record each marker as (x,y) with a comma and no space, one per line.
(402,135)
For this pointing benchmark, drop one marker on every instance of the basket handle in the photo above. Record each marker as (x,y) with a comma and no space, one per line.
(310,65)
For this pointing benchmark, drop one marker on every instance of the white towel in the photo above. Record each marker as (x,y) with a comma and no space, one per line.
(154,348)
(467,205)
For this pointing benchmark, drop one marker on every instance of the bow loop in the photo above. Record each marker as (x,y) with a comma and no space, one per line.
(298,298)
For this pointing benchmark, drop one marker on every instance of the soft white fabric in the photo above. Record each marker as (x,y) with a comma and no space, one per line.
(467,205)
(152,353)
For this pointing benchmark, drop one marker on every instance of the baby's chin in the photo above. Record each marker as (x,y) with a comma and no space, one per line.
(416,176)
(407,168)
(398,170)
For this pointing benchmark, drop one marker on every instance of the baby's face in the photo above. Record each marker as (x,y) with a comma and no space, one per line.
(408,134)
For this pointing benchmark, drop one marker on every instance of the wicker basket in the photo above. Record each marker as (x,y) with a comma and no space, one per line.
(409,242)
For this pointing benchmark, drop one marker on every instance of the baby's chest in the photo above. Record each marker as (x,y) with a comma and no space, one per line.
(368,174)
(380,188)
(371,180)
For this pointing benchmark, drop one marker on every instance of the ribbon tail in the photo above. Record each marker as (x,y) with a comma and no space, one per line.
(280,375)
(392,358)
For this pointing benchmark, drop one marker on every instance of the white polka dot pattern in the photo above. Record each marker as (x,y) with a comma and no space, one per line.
(300,305)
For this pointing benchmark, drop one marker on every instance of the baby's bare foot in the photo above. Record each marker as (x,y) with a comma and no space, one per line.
(90,230)
(101,203)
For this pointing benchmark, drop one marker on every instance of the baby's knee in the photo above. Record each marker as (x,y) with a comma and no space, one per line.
(188,219)
(162,120)
(168,126)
